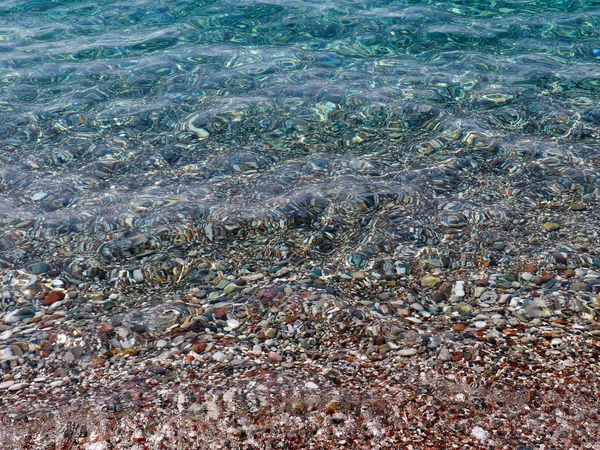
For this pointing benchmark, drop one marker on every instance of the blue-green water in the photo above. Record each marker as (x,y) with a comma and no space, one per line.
(356,123)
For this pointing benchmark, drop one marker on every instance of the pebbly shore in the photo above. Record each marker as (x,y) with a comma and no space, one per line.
(407,351)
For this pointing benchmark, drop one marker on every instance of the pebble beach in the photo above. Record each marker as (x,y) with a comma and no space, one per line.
(263,225)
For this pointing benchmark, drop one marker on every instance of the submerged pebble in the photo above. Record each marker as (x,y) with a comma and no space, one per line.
(212,208)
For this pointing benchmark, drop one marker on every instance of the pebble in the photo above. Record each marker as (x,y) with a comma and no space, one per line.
(39,196)
(5,335)
(138,275)
(219,356)
(440,297)
(232,287)
(458,327)
(431,282)
(407,352)
(40,268)
(445,355)
(271,333)
(6,353)
(7,384)
(459,289)
(18,386)
(18,315)
(527,276)
(579,286)
(233,323)
(53,297)
(578,206)
(480,434)
(310,385)
(275,357)
(551,226)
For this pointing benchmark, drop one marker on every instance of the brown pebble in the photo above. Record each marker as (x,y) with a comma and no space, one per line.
(578,207)
(53,273)
(275,357)
(559,258)
(458,327)
(220,313)
(379,340)
(544,277)
(53,297)
(569,273)
(199,347)
(105,328)
(439,296)
(403,312)
(445,287)
(529,268)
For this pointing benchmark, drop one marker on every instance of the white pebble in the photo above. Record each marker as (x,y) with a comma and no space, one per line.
(138,275)
(39,196)
(459,289)
(6,353)
(527,276)
(96,446)
(233,323)
(18,387)
(219,356)
(480,434)
(7,384)
(5,335)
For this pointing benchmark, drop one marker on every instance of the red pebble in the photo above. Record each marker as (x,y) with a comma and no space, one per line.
(53,297)
(220,313)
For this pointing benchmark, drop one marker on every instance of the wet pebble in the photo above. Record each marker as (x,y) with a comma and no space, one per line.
(431,282)
(53,297)
(551,226)
(40,268)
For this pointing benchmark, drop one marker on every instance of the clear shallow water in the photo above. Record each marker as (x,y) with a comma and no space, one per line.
(360,124)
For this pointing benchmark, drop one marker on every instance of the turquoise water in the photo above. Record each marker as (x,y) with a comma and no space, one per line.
(356,123)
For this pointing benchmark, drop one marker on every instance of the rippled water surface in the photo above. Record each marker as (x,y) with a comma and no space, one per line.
(362,124)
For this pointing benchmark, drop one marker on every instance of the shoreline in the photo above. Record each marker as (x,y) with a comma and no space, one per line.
(460,368)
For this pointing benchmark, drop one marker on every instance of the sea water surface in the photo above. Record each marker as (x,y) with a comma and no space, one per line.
(387,121)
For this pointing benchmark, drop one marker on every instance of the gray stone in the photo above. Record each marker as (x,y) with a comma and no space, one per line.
(445,355)
(40,268)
